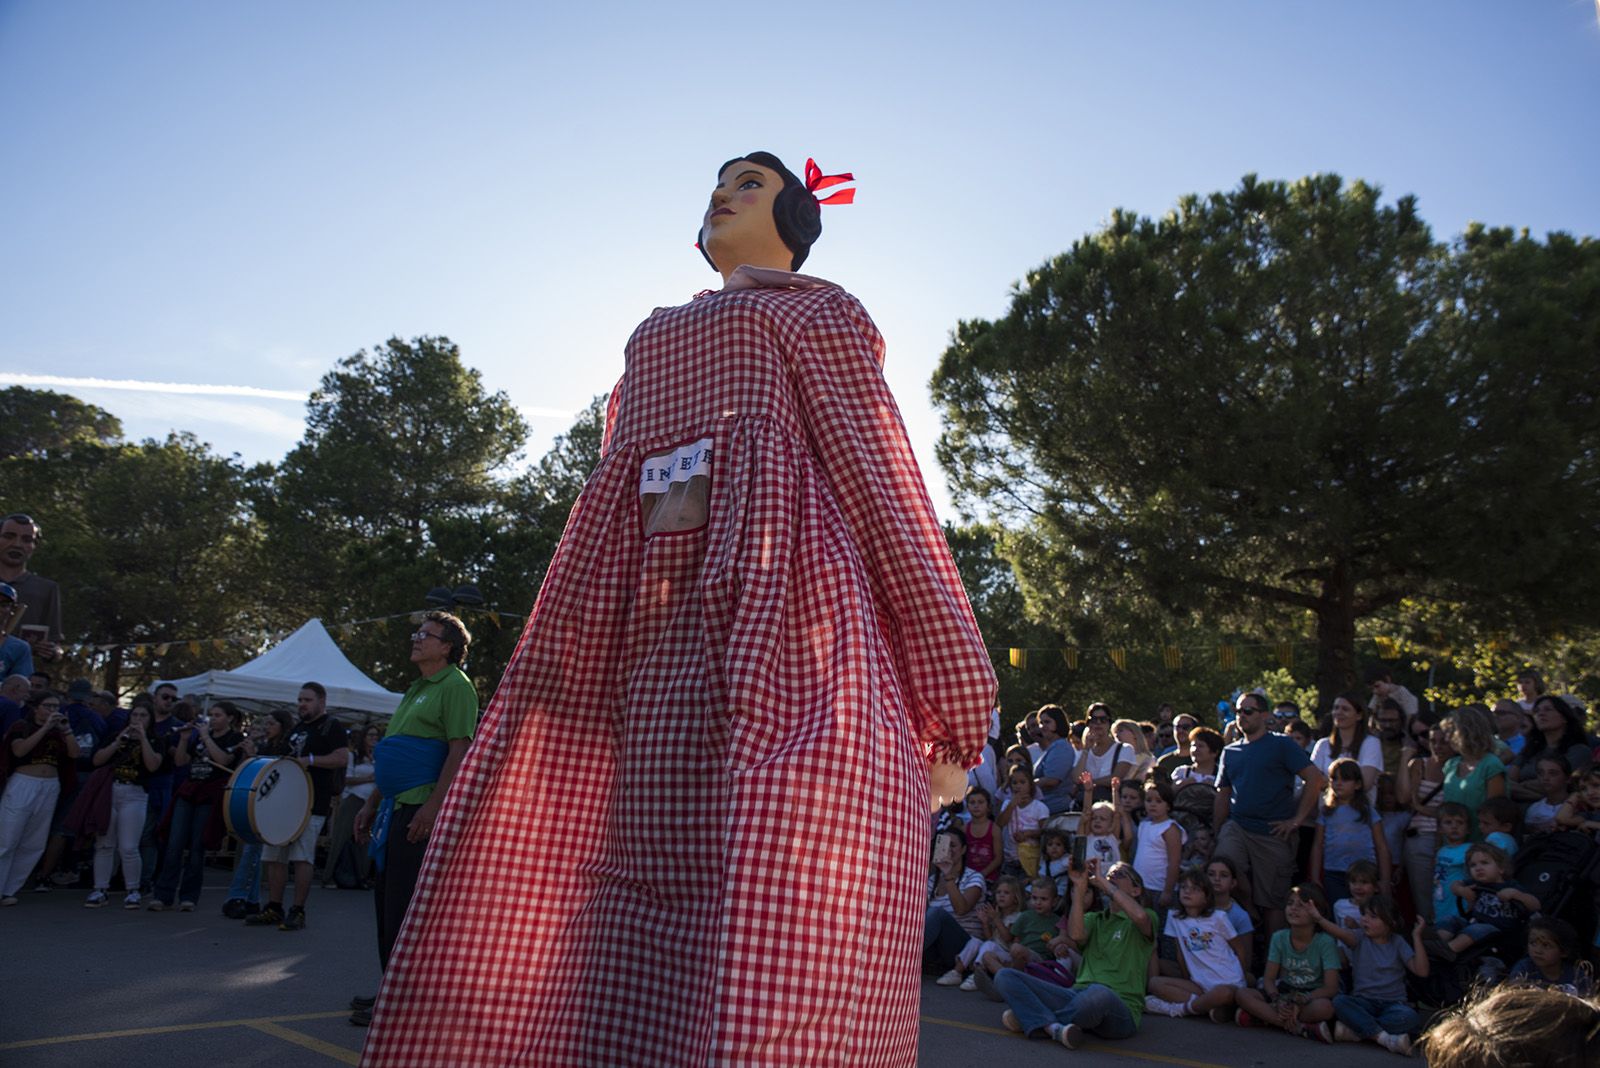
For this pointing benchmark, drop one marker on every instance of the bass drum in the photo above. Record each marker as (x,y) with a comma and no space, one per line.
(268,801)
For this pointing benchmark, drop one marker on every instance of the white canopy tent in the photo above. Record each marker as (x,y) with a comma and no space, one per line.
(307,655)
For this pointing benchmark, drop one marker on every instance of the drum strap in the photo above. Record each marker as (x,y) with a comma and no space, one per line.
(401,763)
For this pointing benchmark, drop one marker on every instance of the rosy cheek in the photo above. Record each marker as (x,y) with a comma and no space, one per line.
(747,198)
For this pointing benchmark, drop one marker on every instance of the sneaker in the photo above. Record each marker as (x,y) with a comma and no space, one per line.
(42,886)
(949,978)
(1318,1031)
(1010,1021)
(132,900)
(1155,1005)
(1342,1033)
(1400,1044)
(1070,1036)
(156,905)
(985,983)
(1222,1014)
(7,901)
(1244,1019)
(251,908)
(361,1017)
(186,906)
(96,900)
(969,984)
(233,908)
(295,921)
(64,879)
(359,1002)
(270,916)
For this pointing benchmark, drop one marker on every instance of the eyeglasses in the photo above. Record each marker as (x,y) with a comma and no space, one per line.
(423,635)
(1253,710)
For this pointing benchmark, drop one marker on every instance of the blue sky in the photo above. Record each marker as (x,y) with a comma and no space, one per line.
(237,195)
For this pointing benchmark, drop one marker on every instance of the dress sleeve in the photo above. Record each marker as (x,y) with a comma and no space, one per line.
(860,442)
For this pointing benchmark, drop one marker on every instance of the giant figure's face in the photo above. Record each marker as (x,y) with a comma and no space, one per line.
(738,226)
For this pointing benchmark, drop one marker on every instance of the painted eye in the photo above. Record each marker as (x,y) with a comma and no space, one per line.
(753,183)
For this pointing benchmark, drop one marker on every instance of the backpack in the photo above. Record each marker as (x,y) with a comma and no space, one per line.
(1193,805)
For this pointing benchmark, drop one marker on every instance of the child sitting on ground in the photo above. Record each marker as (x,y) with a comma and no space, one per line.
(991,953)
(1363,882)
(1224,879)
(1205,939)
(1376,1009)
(1554,775)
(1490,904)
(1497,823)
(1302,973)
(1552,959)
(1034,928)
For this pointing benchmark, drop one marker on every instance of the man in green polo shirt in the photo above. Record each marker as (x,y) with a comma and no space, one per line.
(438,713)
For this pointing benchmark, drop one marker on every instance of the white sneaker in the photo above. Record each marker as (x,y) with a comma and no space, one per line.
(132,900)
(1162,1008)
(157,905)
(1009,1019)
(1342,1033)
(186,906)
(949,978)
(7,901)
(1400,1044)
(96,900)
(970,983)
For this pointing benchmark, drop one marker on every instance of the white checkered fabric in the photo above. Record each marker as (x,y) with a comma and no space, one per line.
(693,828)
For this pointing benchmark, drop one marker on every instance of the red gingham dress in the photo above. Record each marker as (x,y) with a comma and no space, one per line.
(693,828)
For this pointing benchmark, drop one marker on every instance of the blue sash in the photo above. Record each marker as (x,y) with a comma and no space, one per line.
(401,763)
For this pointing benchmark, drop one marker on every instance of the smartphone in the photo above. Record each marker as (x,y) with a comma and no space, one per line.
(1080,851)
(943,847)
(33,632)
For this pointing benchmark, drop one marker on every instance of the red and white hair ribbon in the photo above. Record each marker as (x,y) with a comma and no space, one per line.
(817,181)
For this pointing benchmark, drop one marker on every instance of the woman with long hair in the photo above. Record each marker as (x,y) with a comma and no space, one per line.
(1350,737)
(209,748)
(41,752)
(1131,734)
(1558,727)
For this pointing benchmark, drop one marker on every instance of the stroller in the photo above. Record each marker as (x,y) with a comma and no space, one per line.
(1563,871)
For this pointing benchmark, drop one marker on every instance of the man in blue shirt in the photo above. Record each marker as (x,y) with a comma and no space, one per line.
(1255,787)
(1053,770)
(16,656)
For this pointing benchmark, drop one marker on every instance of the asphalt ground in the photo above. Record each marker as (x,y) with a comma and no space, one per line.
(90,987)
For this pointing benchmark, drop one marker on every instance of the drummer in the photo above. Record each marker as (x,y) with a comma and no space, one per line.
(319,743)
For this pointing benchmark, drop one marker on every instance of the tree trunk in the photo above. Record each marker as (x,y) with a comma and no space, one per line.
(1336,636)
(114,672)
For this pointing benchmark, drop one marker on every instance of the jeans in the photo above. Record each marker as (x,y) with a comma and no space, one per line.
(943,939)
(149,856)
(1478,932)
(1038,1004)
(246,885)
(187,831)
(1418,853)
(128,805)
(1367,1016)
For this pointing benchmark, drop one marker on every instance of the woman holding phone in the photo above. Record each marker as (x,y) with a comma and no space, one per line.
(134,755)
(954,891)
(41,751)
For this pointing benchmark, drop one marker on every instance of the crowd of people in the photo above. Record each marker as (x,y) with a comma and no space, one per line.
(1341,878)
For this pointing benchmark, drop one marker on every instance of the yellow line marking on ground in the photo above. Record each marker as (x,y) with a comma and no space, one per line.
(316,1045)
(1090,1047)
(135,1032)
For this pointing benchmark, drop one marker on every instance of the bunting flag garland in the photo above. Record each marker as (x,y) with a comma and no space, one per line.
(1070,655)
(1019,659)
(1388,648)
(1119,657)
(1285,651)
(1172,657)
(194,648)
(1228,657)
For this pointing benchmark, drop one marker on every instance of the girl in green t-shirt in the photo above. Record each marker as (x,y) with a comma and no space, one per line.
(1302,973)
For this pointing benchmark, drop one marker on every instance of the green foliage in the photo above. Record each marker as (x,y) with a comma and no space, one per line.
(36,422)
(1284,403)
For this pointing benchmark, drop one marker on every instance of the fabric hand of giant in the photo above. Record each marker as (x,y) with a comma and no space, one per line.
(946,783)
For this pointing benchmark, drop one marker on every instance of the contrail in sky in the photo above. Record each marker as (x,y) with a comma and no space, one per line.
(194,388)
(203,389)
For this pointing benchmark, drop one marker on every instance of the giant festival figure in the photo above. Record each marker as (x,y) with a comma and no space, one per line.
(694,826)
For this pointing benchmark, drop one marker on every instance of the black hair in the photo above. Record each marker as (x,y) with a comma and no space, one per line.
(1058,716)
(234,713)
(316,688)
(1364,870)
(1562,933)
(1501,810)
(1383,907)
(1572,734)
(1378,673)
(795,211)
